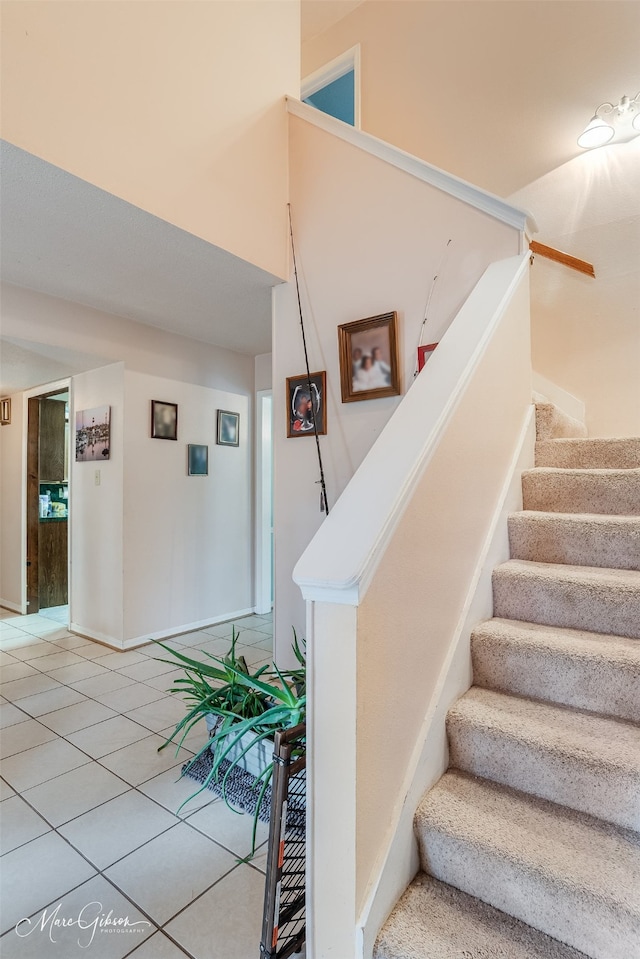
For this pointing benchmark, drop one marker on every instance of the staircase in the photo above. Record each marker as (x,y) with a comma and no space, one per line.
(530,842)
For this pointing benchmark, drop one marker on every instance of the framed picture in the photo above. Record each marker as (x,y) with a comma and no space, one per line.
(306,399)
(424,353)
(369,358)
(5,411)
(228,428)
(197,460)
(93,434)
(164,420)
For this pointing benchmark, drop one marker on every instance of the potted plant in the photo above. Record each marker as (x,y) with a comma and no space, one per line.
(243,709)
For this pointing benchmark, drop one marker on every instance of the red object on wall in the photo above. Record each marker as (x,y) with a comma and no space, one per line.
(424,352)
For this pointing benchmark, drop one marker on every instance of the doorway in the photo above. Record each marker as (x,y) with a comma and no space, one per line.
(264,502)
(47,504)
(335,88)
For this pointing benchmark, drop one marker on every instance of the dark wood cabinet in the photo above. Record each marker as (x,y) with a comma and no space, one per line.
(52,440)
(52,563)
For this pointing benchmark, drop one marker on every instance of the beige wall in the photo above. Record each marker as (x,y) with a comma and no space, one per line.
(369,239)
(176,107)
(493,92)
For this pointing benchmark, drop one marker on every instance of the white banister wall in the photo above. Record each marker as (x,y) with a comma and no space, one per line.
(389,579)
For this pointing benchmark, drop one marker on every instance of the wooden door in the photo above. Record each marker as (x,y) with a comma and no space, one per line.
(51,465)
(33,491)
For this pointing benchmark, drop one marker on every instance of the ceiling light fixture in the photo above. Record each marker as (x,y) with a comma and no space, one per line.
(620,121)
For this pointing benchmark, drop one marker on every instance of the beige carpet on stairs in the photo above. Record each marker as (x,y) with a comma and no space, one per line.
(530,843)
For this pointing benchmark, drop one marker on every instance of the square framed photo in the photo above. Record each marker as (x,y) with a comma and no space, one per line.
(197,460)
(228,428)
(164,420)
(5,411)
(425,353)
(369,358)
(306,402)
(93,434)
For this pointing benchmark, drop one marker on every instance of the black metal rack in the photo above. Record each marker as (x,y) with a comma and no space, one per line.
(283,923)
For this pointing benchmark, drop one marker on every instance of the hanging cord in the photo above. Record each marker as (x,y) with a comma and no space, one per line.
(323,488)
(426,309)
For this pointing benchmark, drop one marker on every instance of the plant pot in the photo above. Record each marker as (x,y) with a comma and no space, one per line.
(257,757)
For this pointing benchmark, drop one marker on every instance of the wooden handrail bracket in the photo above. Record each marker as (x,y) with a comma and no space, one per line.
(571,261)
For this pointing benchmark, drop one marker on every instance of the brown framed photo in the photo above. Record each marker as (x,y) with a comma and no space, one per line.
(164,420)
(306,401)
(228,428)
(369,366)
(5,408)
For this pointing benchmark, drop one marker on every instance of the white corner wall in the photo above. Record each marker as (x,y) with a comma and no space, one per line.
(96,514)
(12,497)
(187,539)
(369,239)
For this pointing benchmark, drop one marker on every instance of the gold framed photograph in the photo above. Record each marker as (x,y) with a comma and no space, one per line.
(369,366)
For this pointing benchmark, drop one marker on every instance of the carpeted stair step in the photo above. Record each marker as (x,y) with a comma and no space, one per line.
(575,597)
(559,754)
(607,454)
(552,423)
(436,921)
(554,490)
(570,876)
(577,539)
(572,667)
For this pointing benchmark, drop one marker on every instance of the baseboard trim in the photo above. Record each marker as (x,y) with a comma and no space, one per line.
(136,641)
(14,607)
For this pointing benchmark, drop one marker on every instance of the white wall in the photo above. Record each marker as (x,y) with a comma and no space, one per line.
(187,539)
(177,108)
(264,374)
(12,497)
(96,514)
(369,239)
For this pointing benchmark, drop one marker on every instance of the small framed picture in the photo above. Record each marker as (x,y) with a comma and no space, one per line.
(369,358)
(93,434)
(306,403)
(5,411)
(197,460)
(164,420)
(424,353)
(228,428)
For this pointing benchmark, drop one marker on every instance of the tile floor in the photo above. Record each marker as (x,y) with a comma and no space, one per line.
(89,830)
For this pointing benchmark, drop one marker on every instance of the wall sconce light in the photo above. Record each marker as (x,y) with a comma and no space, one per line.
(620,121)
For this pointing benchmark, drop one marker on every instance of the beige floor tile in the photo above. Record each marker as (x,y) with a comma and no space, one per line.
(6,659)
(20,824)
(117,827)
(146,670)
(36,874)
(55,659)
(223,630)
(6,791)
(104,683)
(17,670)
(171,791)
(191,860)
(72,641)
(32,650)
(158,947)
(79,716)
(74,793)
(41,763)
(230,829)
(196,738)
(83,670)
(10,715)
(252,654)
(17,738)
(250,636)
(236,902)
(116,660)
(91,650)
(141,761)
(159,714)
(130,697)
(96,898)
(108,736)
(45,628)
(163,682)
(21,688)
(57,698)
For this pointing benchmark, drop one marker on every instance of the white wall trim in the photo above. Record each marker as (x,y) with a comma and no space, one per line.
(263,508)
(561,398)
(480,199)
(395,869)
(391,470)
(136,641)
(14,607)
(333,70)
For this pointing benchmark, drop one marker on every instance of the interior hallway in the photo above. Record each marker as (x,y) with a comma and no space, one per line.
(88,806)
